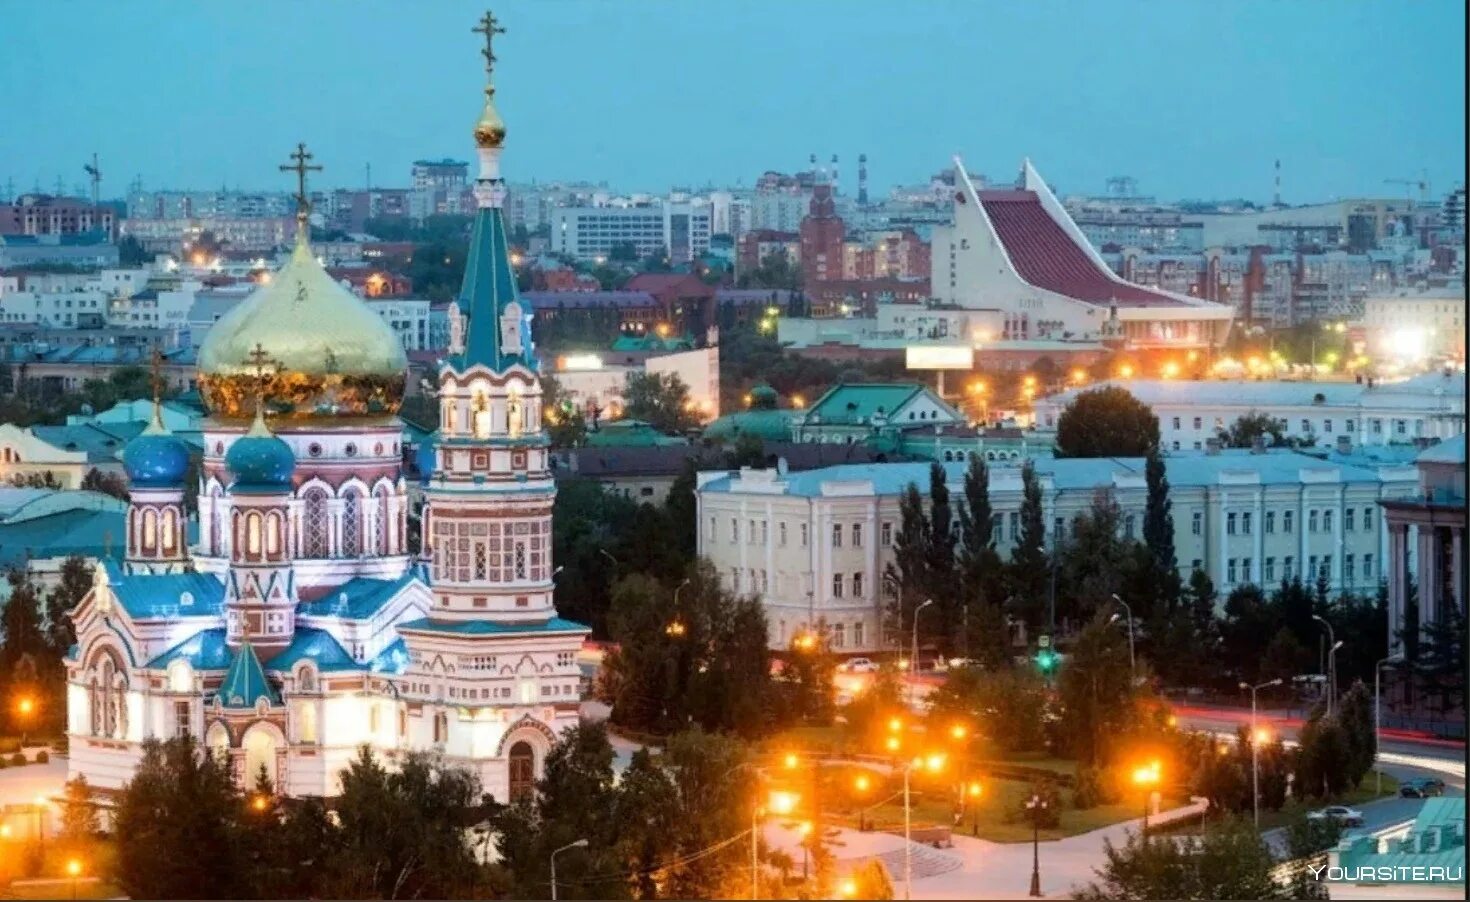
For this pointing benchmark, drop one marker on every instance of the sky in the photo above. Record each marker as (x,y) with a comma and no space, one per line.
(1192,99)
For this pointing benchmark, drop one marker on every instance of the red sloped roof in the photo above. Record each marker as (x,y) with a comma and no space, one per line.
(1047,257)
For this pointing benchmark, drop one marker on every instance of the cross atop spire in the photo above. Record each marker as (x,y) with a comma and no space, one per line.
(155,379)
(300,166)
(264,369)
(489,26)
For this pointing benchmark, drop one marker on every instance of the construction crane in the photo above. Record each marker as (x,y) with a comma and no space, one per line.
(94,171)
(1409,184)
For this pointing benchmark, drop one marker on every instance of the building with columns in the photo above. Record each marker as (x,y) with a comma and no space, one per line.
(815,545)
(1426,540)
(303,624)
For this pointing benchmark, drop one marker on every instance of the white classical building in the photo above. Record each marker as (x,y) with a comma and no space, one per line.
(815,545)
(303,625)
(1428,406)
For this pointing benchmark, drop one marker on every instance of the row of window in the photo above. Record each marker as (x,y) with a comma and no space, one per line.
(1318,520)
(1238,570)
(838,634)
(1375,425)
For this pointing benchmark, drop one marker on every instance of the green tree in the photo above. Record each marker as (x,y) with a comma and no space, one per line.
(588,519)
(661,400)
(73,585)
(79,819)
(1096,692)
(1229,861)
(1106,422)
(1008,707)
(1098,561)
(178,799)
(908,570)
(1158,530)
(871,881)
(27,664)
(807,677)
(566,425)
(1354,711)
(1027,574)
(681,507)
(939,564)
(1249,427)
(1440,667)
(1324,759)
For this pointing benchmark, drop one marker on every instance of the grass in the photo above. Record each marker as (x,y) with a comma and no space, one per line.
(993,817)
(1293,810)
(17,862)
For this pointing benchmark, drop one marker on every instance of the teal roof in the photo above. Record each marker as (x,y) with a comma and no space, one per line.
(148,596)
(489,285)
(651,341)
(1436,840)
(205,650)
(245,682)
(770,425)
(357,599)
(101,442)
(630,434)
(88,533)
(491,627)
(856,403)
(393,659)
(315,645)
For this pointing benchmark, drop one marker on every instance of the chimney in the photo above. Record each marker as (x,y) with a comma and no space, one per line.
(1212,446)
(1344,444)
(1258,445)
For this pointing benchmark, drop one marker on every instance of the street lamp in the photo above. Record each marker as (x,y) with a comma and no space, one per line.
(579,844)
(608,554)
(73,870)
(1255,747)
(1378,718)
(935,763)
(25,707)
(1331,677)
(1035,805)
(1332,669)
(1146,778)
(1132,669)
(915,658)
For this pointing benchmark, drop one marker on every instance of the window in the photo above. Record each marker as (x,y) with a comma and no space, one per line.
(1349,425)
(1230,571)
(857,535)
(781,532)
(1230,524)
(181,719)
(886,534)
(1176,424)
(1326,571)
(765,532)
(1326,425)
(1245,569)
(839,635)
(1401,426)
(1376,425)
(1270,575)
(1015,526)
(857,585)
(997,527)
(1327,521)
(1197,523)
(1367,518)
(709,533)
(857,634)
(1312,571)
(1347,519)
(734,529)
(1312,520)
(735,578)
(1130,523)
(836,535)
(1198,423)
(1245,522)
(1270,522)
(803,535)
(837,585)
(1367,567)
(1286,565)
(1347,568)
(750,532)
(1286,520)
(1306,425)
(1196,564)
(1057,525)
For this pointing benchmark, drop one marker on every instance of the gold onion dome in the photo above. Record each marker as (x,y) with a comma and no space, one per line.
(309,346)
(490,129)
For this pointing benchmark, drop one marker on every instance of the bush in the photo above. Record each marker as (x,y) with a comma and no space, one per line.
(9,745)
(17,760)
(42,757)
(1088,790)
(3,764)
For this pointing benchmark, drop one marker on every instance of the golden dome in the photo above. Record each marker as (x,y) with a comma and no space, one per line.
(312,347)
(490,129)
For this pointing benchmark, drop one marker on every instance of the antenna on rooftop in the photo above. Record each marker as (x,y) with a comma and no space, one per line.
(1276,197)
(94,171)
(862,197)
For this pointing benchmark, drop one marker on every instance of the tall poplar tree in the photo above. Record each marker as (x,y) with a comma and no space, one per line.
(910,553)
(1028,559)
(941,580)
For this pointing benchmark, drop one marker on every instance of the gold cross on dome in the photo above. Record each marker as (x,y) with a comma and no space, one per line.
(489,26)
(300,166)
(155,375)
(265,368)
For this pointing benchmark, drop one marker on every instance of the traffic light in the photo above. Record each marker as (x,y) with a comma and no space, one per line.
(1046,660)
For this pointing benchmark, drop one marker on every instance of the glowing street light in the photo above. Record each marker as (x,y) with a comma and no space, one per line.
(1255,746)
(1079,376)
(1146,777)
(894,724)
(892,744)
(862,783)
(783,802)
(791,760)
(1125,371)
(73,870)
(958,732)
(1171,370)
(848,888)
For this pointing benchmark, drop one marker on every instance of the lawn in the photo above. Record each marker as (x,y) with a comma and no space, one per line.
(1293,810)
(17,863)
(847,791)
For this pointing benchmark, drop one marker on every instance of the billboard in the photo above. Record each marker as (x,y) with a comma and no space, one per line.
(939,357)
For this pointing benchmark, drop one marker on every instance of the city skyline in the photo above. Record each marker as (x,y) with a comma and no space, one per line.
(1081,113)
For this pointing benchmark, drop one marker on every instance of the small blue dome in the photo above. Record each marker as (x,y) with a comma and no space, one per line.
(260,461)
(156,459)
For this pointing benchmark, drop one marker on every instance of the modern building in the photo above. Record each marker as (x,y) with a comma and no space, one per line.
(302,625)
(1417,325)
(1428,406)
(815,545)
(82,249)
(45,214)
(1427,539)
(679,230)
(1015,253)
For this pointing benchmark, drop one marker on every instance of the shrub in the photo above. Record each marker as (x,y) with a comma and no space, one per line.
(42,757)
(1087,791)
(17,760)
(9,745)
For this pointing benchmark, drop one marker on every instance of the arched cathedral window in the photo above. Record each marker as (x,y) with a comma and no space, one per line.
(351,523)
(314,523)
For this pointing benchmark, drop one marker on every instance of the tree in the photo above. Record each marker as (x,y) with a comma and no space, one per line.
(179,798)
(681,507)
(1158,528)
(871,881)
(661,400)
(73,585)
(807,677)
(1249,427)
(79,820)
(1229,861)
(1355,712)
(106,483)
(1440,667)
(1098,561)
(588,519)
(939,563)
(1008,707)
(1106,422)
(1324,758)
(1096,692)
(27,665)
(908,569)
(1028,566)
(566,425)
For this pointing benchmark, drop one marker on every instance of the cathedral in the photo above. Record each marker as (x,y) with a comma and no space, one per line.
(303,625)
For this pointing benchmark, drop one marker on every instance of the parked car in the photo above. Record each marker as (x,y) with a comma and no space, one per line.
(1348,817)
(859,665)
(1421,788)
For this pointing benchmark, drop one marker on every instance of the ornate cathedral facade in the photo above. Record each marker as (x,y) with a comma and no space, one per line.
(302,625)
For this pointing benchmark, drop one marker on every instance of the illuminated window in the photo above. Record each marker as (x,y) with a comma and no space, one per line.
(252,533)
(170,528)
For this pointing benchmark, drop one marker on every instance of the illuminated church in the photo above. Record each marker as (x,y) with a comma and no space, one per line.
(303,624)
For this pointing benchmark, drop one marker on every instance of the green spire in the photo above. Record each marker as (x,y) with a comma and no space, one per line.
(245,682)
(489,288)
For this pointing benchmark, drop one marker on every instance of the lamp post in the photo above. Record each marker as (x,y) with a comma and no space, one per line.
(73,870)
(934,763)
(1378,718)
(1331,677)
(1036,804)
(1255,747)
(1132,668)
(608,554)
(579,844)
(25,707)
(914,660)
(1146,778)
(1332,670)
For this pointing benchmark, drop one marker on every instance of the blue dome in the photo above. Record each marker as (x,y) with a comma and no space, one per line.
(260,461)
(156,460)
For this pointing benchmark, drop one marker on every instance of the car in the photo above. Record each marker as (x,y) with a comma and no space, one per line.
(1421,788)
(1348,817)
(859,665)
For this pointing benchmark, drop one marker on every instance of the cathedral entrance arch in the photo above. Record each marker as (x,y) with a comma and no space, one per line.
(522,771)
(261,743)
